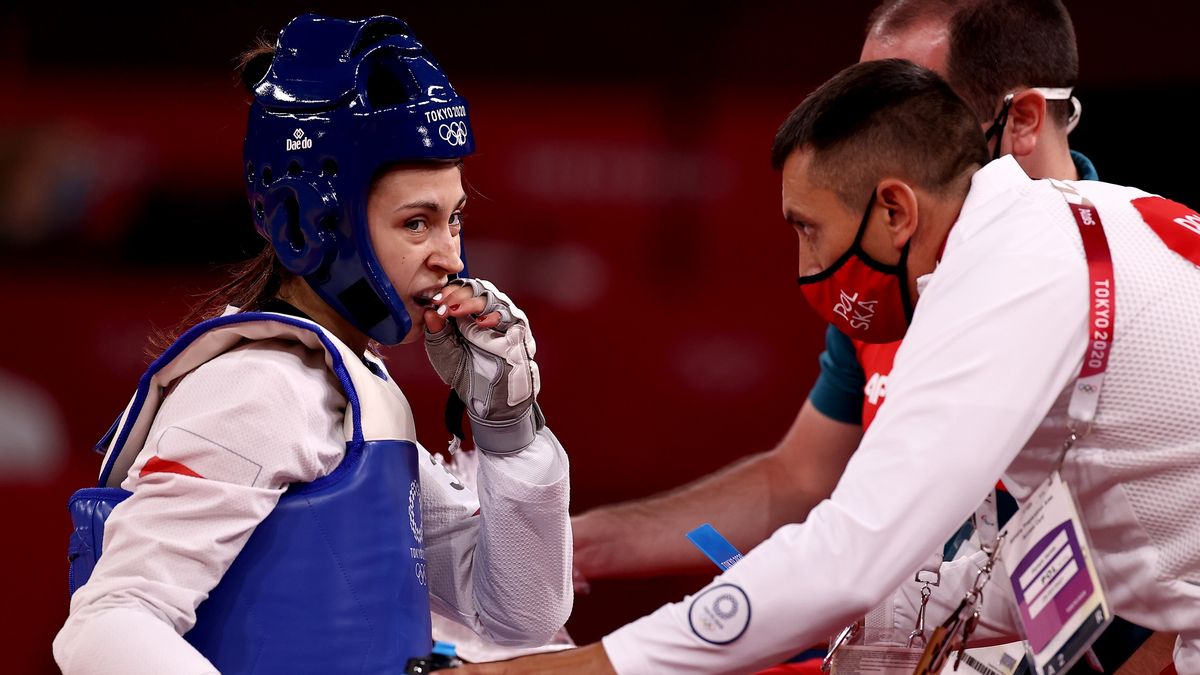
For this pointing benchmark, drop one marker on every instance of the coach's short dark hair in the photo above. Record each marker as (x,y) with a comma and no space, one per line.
(878,119)
(996,46)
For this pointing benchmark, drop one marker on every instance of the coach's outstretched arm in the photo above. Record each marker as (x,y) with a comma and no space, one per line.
(746,501)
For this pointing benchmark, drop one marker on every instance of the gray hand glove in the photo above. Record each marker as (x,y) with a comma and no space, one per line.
(493,372)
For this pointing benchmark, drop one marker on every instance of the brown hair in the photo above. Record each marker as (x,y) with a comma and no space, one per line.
(254,282)
(889,117)
(996,46)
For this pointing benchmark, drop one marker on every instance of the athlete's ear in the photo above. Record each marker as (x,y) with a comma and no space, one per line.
(1026,119)
(899,202)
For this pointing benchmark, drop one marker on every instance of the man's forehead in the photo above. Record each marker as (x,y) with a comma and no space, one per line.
(803,196)
(925,42)
(796,173)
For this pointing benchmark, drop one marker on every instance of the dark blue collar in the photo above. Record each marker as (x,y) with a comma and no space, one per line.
(1084,166)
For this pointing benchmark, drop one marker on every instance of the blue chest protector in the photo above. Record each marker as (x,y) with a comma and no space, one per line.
(333,580)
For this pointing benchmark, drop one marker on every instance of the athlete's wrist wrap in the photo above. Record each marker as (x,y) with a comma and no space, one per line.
(493,372)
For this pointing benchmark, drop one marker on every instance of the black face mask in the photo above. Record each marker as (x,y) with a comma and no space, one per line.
(997,128)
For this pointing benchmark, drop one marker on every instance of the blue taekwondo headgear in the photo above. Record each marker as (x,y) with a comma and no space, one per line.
(341,100)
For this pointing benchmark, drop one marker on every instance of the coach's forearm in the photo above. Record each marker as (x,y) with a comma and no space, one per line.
(746,501)
(645,537)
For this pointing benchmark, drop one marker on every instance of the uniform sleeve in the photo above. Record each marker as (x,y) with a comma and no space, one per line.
(500,561)
(997,335)
(838,391)
(225,443)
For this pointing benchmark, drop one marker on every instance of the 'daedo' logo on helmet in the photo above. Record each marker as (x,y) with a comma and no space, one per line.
(300,142)
(454,133)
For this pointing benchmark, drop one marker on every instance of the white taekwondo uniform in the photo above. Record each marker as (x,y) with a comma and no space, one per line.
(230,437)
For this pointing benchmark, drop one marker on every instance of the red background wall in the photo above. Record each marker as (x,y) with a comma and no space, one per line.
(621,192)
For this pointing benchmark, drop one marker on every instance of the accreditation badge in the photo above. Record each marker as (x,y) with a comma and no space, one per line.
(1059,598)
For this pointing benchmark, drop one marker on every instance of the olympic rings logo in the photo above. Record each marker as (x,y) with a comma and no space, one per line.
(454,133)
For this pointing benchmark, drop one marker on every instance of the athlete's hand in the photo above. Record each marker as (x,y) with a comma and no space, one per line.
(589,660)
(479,343)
